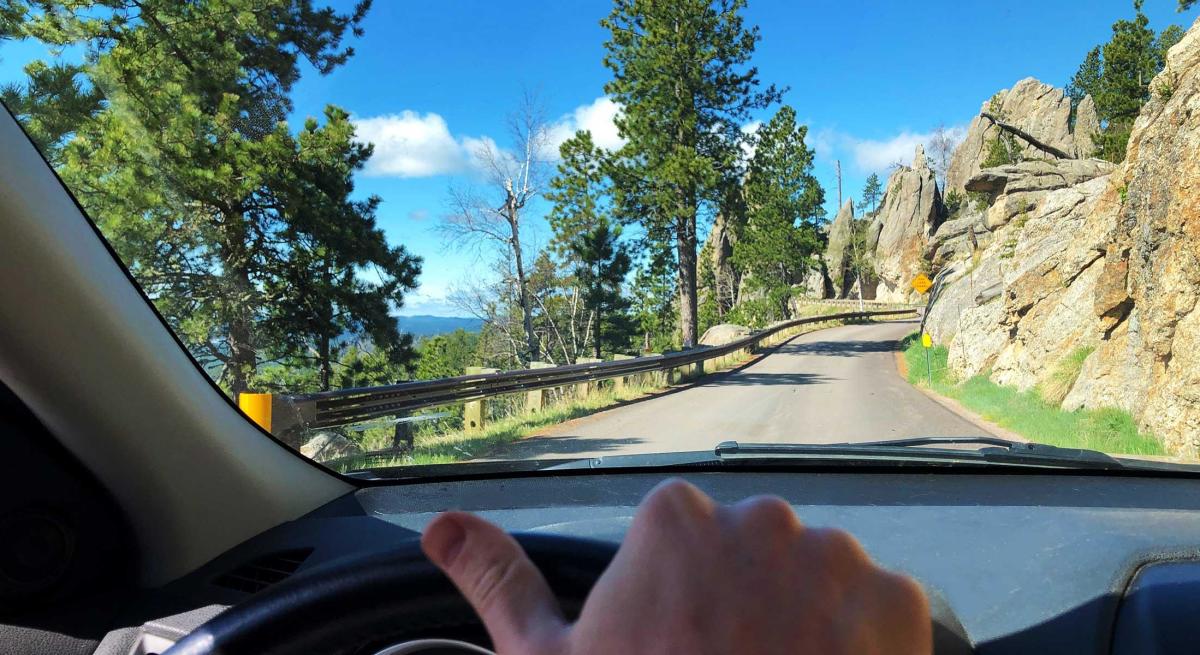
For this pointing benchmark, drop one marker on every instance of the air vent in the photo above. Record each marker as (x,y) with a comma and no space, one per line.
(260,573)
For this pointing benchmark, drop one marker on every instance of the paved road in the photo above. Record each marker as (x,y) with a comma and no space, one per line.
(829,386)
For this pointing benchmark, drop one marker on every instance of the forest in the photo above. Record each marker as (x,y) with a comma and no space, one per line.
(250,239)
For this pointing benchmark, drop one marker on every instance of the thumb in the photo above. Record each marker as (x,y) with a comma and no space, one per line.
(492,571)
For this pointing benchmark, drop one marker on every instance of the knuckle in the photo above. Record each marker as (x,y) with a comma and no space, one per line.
(837,544)
(490,583)
(769,512)
(906,592)
(676,496)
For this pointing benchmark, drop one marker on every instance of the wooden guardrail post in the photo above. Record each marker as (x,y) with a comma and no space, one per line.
(585,389)
(475,411)
(653,378)
(402,435)
(535,400)
(620,383)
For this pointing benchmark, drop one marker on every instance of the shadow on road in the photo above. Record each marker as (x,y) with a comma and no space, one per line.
(841,348)
(565,445)
(751,379)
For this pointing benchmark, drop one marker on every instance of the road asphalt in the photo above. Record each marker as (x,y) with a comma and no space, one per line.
(829,386)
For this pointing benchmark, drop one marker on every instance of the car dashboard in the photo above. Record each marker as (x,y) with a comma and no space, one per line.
(1013,562)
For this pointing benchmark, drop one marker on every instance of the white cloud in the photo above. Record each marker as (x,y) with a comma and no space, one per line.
(410,144)
(596,117)
(872,155)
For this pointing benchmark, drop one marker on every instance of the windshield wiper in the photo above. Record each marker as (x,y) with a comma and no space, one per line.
(994,449)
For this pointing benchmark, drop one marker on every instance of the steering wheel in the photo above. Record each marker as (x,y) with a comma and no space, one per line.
(371,605)
(368,604)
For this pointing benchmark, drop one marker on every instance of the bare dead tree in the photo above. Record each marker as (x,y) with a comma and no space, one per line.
(493,216)
(941,149)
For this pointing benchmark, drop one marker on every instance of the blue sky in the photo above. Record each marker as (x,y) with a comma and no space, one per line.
(871,79)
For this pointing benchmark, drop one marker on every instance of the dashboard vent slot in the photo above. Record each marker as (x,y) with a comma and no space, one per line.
(262,572)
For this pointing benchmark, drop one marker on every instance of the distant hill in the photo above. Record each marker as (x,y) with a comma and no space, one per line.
(428,326)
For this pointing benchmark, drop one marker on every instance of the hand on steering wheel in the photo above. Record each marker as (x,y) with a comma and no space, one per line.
(692,576)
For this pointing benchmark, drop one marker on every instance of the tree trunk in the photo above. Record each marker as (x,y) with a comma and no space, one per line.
(597,316)
(685,238)
(326,363)
(523,290)
(243,359)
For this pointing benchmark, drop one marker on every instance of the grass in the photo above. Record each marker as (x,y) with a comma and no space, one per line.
(1059,384)
(1028,413)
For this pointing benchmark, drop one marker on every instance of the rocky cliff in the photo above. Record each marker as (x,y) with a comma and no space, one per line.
(837,251)
(1076,256)
(1035,107)
(909,214)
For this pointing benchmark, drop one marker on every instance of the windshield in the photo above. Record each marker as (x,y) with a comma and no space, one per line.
(409,234)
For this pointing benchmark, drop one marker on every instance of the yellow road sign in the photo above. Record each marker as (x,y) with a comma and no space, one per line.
(921,283)
(926,340)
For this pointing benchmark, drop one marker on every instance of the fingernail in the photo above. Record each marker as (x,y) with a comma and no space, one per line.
(444,539)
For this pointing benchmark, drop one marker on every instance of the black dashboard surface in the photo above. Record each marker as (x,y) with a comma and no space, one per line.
(1027,562)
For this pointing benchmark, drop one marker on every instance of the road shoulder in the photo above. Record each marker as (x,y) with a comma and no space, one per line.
(957,407)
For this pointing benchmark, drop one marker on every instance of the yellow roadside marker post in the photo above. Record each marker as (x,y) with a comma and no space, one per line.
(258,407)
(927,341)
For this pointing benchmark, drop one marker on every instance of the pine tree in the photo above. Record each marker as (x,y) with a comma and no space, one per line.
(317,296)
(681,74)
(783,200)
(53,102)
(872,191)
(603,263)
(190,171)
(584,234)
(1117,75)
(578,192)
(1086,80)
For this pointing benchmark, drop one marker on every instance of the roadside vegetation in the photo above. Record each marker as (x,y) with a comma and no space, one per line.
(458,445)
(1035,414)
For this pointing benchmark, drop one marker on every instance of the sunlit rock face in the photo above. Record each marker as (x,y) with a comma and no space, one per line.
(1072,256)
(909,214)
(1035,107)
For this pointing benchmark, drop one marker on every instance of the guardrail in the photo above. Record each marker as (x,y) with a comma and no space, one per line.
(347,406)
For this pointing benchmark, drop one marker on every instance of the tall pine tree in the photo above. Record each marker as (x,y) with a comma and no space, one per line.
(190,171)
(777,245)
(682,76)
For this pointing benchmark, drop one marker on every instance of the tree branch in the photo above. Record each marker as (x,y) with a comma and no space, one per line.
(1025,136)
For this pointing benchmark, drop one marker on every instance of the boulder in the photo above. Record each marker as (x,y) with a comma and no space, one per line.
(327,446)
(910,213)
(1039,109)
(723,333)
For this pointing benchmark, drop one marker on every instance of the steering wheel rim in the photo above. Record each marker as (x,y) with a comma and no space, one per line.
(391,596)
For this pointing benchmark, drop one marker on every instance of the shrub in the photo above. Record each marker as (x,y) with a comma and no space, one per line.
(1056,387)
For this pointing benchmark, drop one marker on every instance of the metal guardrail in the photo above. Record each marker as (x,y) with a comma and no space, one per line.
(345,406)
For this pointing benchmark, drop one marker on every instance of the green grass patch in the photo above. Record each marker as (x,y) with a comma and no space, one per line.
(1059,384)
(1028,413)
